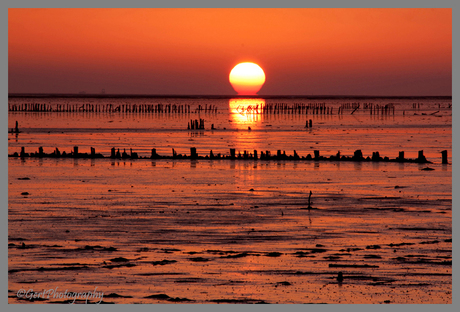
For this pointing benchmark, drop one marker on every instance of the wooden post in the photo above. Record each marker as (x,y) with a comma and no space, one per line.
(421,157)
(255,154)
(193,154)
(444,157)
(75,151)
(154,153)
(401,156)
(112,152)
(375,156)
(232,153)
(211,155)
(316,154)
(278,154)
(295,155)
(358,155)
(23,153)
(93,152)
(311,123)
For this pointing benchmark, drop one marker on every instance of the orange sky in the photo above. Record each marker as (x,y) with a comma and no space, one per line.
(191,51)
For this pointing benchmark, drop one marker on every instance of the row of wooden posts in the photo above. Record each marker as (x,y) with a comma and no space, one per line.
(122,108)
(116,154)
(268,108)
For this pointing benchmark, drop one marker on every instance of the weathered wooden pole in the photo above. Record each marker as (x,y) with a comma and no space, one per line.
(75,151)
(421,157)
(316,152)
(232,153)
(193,154)
(295,155)
(444,157)
(358,155)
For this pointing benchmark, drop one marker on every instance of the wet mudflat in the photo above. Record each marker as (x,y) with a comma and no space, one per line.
(233,231)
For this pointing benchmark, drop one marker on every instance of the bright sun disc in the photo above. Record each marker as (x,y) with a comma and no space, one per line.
(247,78)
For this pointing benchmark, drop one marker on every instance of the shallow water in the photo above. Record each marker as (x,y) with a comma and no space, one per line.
(222,231)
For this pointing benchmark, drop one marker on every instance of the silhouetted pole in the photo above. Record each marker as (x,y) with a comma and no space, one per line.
(193,154)
(444,157)
(421,157)
(316,154)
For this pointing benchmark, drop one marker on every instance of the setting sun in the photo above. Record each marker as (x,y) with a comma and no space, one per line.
(247,78)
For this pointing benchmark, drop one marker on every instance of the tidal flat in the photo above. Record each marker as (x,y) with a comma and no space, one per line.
(233,231)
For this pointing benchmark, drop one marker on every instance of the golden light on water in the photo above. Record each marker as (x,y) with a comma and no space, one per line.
(246,112)
(247,78)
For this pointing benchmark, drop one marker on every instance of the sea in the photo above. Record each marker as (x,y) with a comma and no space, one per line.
(210,230)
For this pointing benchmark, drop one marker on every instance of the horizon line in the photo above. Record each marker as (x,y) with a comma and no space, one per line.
(113,95)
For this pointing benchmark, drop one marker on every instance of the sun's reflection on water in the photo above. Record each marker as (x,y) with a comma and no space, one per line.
(246,112)
(246,117)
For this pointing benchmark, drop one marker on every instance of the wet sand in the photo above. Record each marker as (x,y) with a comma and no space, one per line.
(222,231)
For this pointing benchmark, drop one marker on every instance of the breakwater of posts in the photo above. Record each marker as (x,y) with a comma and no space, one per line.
(255,155)
(267,109)
(322,108)
(112,108)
